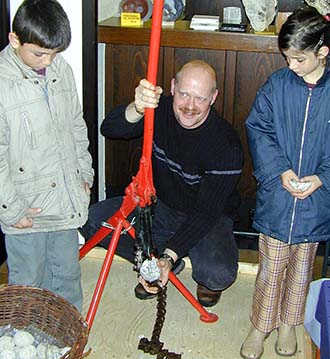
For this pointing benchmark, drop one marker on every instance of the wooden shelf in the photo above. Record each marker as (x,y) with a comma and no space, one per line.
(110,31)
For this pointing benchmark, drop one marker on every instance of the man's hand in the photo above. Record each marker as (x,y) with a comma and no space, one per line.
(165,268)
(146,96)
(27,221)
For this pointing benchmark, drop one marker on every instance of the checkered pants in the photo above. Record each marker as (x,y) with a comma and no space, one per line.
(282,283)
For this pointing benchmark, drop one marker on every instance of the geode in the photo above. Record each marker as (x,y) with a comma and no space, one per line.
(261,13)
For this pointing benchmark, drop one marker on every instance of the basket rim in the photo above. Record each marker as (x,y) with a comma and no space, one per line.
(20,304)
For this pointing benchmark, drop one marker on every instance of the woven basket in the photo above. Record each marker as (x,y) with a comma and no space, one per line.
(23,306)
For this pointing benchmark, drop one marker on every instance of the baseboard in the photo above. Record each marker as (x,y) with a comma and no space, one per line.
(243,267)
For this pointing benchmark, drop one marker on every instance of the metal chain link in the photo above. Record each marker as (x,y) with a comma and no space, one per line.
(154,346)
(124,231)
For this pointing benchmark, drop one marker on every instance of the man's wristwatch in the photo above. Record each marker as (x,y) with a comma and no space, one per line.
(168,258)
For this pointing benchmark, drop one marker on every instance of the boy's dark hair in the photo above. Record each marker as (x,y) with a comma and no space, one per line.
(305,29)
(43,23)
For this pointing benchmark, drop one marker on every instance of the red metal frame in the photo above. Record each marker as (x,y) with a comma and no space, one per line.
(140,192)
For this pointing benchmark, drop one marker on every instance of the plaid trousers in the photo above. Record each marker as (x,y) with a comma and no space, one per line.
(282,283)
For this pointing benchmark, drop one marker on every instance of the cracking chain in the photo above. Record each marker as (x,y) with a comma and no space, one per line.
(154,346)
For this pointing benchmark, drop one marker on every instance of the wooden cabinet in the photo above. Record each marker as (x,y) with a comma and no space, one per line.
(242,61)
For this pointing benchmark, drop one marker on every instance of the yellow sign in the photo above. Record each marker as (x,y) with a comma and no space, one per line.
(131,19)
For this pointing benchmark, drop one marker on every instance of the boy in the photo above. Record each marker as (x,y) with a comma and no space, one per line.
(45,167)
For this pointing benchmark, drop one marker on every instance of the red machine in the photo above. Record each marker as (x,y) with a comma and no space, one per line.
(140,192)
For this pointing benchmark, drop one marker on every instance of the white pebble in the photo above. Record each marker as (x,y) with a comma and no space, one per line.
(6,342)
(7,354)
(28,352)
(53,352)
(41,351)
(23,338)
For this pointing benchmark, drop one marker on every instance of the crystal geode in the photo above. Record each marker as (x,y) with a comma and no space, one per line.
(322,6)
(261,13)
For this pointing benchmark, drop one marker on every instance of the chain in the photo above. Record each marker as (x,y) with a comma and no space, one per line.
(155,346)
(124,231)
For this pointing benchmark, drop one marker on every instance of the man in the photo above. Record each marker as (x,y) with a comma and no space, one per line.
(197,159)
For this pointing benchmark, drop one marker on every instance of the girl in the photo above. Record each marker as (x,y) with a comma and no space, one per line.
(289,138)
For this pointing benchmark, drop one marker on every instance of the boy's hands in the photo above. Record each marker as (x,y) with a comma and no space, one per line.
(86,188)
(27,221)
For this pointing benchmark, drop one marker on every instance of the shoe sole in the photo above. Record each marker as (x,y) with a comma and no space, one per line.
(180,267)
(285,354)
(247,357)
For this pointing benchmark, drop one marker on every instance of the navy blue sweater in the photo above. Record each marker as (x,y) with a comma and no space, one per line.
(195,171)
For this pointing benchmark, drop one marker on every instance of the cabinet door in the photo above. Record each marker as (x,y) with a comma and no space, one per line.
(250,73)
(125,66)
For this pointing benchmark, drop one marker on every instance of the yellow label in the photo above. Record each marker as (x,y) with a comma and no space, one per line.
(130,19)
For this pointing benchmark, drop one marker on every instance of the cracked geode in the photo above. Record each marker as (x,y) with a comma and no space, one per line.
(322,6)
(261,13)
(150,270)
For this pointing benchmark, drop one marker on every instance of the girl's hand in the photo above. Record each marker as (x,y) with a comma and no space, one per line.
(289,175)
(315,184)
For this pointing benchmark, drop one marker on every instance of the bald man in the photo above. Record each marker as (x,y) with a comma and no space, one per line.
(197,160)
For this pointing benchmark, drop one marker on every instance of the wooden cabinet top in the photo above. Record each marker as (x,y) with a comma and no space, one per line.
(110,31)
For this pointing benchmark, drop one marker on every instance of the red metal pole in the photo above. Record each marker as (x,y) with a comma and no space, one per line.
(140,191)
(156,29)
(205,316)
(103,276)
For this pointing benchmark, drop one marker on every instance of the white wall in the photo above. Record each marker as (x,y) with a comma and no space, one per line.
(74,53)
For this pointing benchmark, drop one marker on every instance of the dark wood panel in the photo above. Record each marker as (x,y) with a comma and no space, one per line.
(243,62)
(89,20)
(214,58)
(253,69)
(4,23)
(229,92)
(126,66)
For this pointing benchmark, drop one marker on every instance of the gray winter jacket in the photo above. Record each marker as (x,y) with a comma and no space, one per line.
(44,159)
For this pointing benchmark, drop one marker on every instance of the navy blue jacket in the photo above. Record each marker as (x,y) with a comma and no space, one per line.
(289,128)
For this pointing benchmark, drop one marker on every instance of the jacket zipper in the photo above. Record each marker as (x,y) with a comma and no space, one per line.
(300,162)
(30,137)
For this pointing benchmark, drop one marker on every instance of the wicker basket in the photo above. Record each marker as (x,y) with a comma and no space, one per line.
(23,306)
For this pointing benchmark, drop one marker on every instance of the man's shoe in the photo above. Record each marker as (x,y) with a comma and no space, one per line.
(207,297)
(179,266)
(142,294)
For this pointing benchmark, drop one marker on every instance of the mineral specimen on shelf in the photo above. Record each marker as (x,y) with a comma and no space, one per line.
(261,13)
(322,6)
